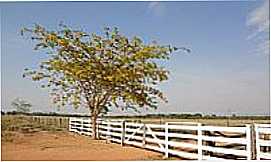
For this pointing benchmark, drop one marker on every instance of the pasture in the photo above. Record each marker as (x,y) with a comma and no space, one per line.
(215,122)
(45,138)
(186,140)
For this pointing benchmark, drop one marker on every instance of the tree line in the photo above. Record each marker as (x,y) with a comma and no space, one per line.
(147,116)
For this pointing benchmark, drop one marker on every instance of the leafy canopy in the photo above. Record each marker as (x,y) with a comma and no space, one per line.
(99,71)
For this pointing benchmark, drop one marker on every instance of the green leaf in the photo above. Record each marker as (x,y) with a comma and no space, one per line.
(99,70)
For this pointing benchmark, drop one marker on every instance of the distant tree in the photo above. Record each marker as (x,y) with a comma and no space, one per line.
(198,115)
(99,71)
(213,115)
(21,105)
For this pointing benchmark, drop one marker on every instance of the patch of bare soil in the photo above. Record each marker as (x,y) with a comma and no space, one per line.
(69,146)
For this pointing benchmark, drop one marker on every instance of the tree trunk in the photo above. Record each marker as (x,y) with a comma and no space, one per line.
(94,126)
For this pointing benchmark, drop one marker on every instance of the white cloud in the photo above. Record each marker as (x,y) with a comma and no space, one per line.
(156,8)
(258,21)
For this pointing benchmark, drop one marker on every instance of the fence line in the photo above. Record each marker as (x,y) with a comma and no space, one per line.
(183,139)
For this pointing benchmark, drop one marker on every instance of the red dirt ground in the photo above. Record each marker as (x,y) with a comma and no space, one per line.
(69,146)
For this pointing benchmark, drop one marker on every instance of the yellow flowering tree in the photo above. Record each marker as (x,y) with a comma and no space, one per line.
(98,72)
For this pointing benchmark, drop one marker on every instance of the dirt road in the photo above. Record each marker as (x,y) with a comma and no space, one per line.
(69,146)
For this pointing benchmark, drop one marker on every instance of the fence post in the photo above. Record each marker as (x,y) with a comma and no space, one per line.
(248,139)
(108,132)
(81,126)
(257,136)
(199,141)
(123,133)
(144,135)
(166,140)
(97,129)
(253,142)
(70,126)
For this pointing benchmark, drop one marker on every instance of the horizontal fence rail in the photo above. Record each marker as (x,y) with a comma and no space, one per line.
(183,139)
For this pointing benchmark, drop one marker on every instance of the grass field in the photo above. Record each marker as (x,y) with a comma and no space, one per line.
(214,122)
(12,125)
(47,138)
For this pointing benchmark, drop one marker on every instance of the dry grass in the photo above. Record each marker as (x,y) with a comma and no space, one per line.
(47,137)
(214,122)
(12,126)
(26,138)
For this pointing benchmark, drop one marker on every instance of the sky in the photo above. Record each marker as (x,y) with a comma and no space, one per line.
(227,71)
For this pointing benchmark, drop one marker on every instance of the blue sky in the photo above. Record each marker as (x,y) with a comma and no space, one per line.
(228,69)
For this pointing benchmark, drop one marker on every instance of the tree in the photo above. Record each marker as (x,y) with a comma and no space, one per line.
(99,71)
(198,115)
(21,105)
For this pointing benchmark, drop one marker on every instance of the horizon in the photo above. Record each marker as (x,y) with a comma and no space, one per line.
(227,71)
(135,115)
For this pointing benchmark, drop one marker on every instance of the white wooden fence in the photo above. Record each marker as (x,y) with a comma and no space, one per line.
(183,139)
(263,141)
